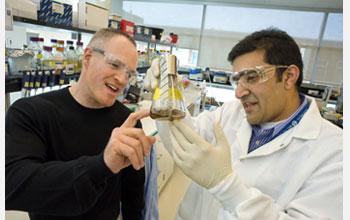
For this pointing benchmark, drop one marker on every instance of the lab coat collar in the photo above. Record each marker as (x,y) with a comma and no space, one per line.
(310,125)
(243,135)
(308,128)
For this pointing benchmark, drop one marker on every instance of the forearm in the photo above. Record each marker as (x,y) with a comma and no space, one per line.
(318,199)
(132,193)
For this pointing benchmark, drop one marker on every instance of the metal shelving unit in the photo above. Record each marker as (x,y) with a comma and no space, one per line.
(14,83)
(31,23)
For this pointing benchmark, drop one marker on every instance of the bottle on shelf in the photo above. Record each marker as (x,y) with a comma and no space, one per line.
(69,43)
(6,64)
(60,43)
(139,60)
(142,59)
(59,58)
(150,56)
(48,59)
(71,61)
(146,58)
(79,51)
(48,65)
(34,46)
(53,45)
(41,42)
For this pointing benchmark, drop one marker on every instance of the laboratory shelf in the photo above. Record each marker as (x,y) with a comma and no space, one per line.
(32,23)
(13,83)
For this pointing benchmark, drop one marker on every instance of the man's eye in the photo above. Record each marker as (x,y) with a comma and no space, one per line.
(252,77)
(234,78)
(115,66)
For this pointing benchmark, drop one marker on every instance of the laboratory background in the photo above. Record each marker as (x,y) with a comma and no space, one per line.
(45,39)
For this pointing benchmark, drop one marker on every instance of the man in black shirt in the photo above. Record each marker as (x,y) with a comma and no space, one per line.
(78,153)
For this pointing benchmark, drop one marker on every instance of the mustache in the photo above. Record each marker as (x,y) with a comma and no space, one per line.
(249,98)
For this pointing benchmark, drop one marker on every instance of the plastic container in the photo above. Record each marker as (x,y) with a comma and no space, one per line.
(6,64)
(60,43)
(220,78)
(48,60)
(79,52)
(19,60)
(59,58)
(69,43)
(157,32)
(41,42)
(196,74)
(53,45)
(174,38)
(35,47)
(128,27)
(71,61)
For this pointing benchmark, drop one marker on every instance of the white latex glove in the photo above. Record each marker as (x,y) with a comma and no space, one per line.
(204,163)
(151,81)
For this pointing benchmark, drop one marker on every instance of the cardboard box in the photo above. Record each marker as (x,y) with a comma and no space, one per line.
(55,12)
(114,21)
(114,24)
(115,17)
(147,33)
(23,8)
(92,17)
(128,27)
(139,31)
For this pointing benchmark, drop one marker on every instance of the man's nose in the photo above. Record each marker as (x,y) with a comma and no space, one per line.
(241,91)
(121,76)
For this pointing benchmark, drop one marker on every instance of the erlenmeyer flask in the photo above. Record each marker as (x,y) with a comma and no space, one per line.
(167,101)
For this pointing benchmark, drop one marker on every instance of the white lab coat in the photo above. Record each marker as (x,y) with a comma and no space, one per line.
(298,175)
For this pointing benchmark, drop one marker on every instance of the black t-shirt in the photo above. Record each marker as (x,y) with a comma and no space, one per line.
(54,161)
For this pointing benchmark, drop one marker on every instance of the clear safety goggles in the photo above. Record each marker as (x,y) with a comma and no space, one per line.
(117,64)
(252,76)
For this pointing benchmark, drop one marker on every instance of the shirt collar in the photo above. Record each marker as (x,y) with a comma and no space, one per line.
(278,126)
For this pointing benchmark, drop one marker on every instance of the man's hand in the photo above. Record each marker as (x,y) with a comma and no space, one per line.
(151,81)
(205,164)
(128,145)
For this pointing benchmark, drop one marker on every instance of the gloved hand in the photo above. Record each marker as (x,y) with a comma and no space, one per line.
(205,164)
(151,81)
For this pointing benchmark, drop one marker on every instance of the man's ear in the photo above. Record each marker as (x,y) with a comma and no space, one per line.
(290,76)
(87,56)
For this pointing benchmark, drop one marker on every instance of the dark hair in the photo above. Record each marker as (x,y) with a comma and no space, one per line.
(105,34)
(279,49)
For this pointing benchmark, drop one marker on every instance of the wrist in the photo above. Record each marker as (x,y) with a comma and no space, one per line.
(231,191)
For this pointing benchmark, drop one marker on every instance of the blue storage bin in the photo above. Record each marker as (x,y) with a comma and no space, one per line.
(55,12)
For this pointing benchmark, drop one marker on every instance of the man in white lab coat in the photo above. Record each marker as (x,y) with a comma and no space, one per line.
(269,154)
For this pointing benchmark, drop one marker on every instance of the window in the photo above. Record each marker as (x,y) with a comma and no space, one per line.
(329,67)
(187,57)
(166,16)
(226,25)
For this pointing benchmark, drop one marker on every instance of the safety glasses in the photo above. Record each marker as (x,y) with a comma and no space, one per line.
(252,76)
(117,64)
